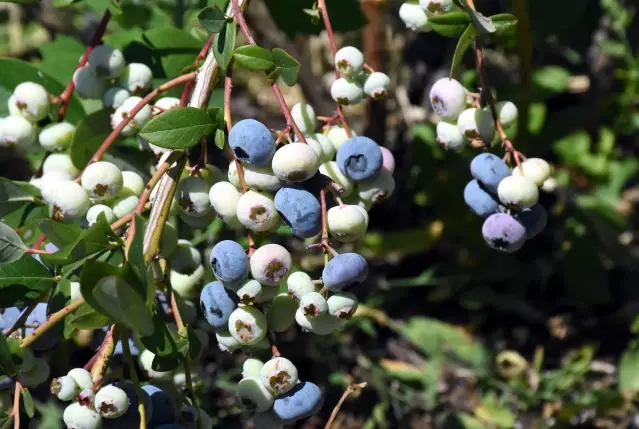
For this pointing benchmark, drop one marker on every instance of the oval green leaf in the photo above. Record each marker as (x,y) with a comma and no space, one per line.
(449,24)
(11,246)
(212,19)
(89,136)
(254,58)
(463,44)
(178,128)
(287,67)
(224,44)
(505,24)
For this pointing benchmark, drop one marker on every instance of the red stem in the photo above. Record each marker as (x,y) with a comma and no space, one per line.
(65,97)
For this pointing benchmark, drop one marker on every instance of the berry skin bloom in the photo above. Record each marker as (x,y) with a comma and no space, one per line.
(18,132)
(414,17)
(217,304)
(300,210)
(448,98)
(359,158)
(490,170)
(102,180)
(114,97)
(229,262)
(111,402)
(76,416)
(503,233)
(302,401)
(252,142)
(304,117)
(247,325)
(349,61)
(480,201)
(448,135)
(279,375)
(256,211)
(270,264)
(376,85)
(88,84)
(347,92)
(106,62)
(56,136)
(295,162)
(344,272)
(518,192)
(31,100)
(136,77)
(476,124)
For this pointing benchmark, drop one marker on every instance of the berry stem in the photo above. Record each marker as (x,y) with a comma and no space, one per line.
(65,97)
(104,355)
(325,244)
(349,390)
(15,413)
(124,338)
(239,17)
(271,340)
(34,251)
(368,68)
(56,317)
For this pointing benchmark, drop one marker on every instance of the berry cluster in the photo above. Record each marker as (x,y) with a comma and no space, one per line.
(415,16)
(356,80)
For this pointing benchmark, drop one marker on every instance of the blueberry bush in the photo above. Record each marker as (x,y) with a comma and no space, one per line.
(318,213)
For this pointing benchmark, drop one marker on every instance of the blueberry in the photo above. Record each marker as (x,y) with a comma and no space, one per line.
(502,232)
(489,169)
(300,210)
(480,201)
(533,219)
(130,419)
(302,401)
(344,271)
(359,158)
(217,304)
(229,262)
(163,410)
(252,142)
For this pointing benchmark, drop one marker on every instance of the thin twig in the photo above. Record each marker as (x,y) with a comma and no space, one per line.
(56,317)
(104,355)
(15,413)
(349,390)
(126,350)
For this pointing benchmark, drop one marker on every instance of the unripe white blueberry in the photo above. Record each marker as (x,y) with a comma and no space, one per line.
(193,196)
(136,77)
(247,325)
(124,111)
(253,395)
(248,292)
(75,291)
(535,169)
(56,136)
(132,183)
(377,189)
(102,180)
(257,212)
(549,185)
(82,378)
(270,264)
(260,178)
(388,160)
(507,112)
(226,342)
(349,61)
(342,305)
(414,17)
(279,375)
(187,284)
(347,92)
(69,201)
(88,84)
(322,147)
(31,100)
(146,363)
(324,324)
(124,205)
(313,304)
(111,402)
(295,162)
(299,284)
(76,416)
(518,192)
(114,97)
(448,98)
(224,197)
(94,212)
(437,7)
(36,375)
(18,132)
(337,135)
(347,222)
(167,103)
(476,124)
(252,368)
(106,62)
(64,388)
(376,85)
(331,170)
(448,135)
(59,162)
(304,116)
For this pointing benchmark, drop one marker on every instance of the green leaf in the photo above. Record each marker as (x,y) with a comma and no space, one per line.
(136,251)
(14,196)
(13,72)
(551,79)
(628,364)
(505,24)
(219,138)
(62,3)
(7,366)
(60,56)
(89,135)
(463,44)
(254,58)
(28,403)
(117,292)
(60,234)
(97,238)
(86,317)
(193,347)
(178,128)
(224,43)
(163,344)
(11,246)
(23,280)
(449,24)
(287,66)
(176,48)
(212,19)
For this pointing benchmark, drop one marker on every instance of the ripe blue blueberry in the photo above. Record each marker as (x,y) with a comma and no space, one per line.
(229,262)
(344,272)
(252,142)
(163,409)
(217,304)
(359,158)
(480,201)
(502,232)
(489,169)
(533,219)
(302,401)
(300,210)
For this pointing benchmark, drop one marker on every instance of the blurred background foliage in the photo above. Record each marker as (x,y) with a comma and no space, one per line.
(452,334)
